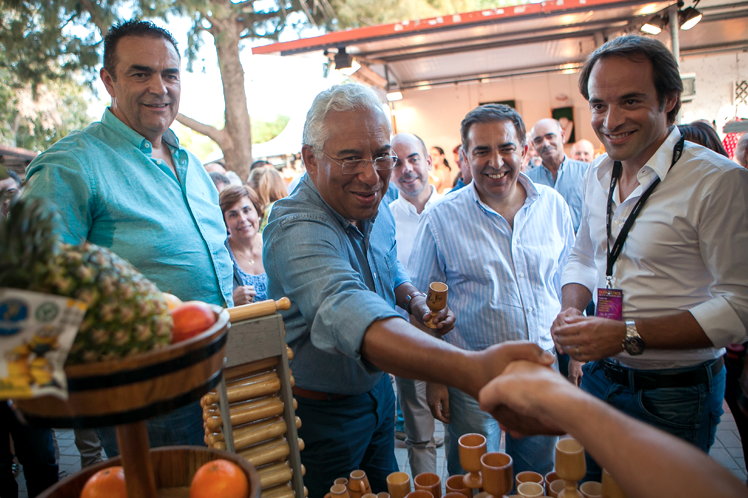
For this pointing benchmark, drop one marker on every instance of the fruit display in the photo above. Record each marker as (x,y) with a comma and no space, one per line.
(106,483)
(190,319)
(219,478)
(126,315)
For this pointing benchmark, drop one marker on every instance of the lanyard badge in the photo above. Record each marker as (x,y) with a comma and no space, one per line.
(610,300)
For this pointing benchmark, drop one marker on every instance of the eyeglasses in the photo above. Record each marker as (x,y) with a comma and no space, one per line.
(356,166)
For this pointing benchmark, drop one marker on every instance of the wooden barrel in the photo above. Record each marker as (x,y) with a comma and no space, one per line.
(173,466)
(135,388)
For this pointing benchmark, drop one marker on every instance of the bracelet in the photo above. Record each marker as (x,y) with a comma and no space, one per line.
(409,298)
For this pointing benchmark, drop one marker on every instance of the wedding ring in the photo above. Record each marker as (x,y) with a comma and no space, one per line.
(577,349)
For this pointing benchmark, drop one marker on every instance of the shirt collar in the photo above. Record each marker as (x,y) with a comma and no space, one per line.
(659,163)
(136,139)
(406,204)
(344,222)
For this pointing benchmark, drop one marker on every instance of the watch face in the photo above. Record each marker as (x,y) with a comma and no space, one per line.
(633,345)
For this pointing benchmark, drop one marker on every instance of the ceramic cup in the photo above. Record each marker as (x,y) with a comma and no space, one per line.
(369,495)
(341,480)
(570,464)
(419,493)
(436,299)
(456,484)
(430,482)
(496,470)
(528,476)
(530,490)
(383,495)
(556,487)
(471,448)
(358,484)
(549,478)
(398,484)
(338,491)
(591,489)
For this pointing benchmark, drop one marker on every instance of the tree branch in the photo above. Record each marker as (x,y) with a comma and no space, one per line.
(218,136)
(95,17)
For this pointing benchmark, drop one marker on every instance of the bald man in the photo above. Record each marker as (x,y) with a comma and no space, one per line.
(583,150)
(565,175)
(741,150)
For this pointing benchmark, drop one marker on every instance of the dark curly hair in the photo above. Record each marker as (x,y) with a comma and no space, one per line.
(667,80)
(133,27)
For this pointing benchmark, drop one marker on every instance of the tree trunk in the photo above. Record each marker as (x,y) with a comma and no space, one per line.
(237,150)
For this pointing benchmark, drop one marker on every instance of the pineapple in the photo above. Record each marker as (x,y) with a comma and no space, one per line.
(126,315)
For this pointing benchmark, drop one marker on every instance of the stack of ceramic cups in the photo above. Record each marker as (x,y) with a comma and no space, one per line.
(356,485)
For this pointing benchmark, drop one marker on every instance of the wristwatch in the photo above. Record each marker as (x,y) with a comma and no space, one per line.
(409,298)
(633,344)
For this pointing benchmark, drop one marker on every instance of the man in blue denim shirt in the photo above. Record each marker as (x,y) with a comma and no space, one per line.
(126,184)
(330,247)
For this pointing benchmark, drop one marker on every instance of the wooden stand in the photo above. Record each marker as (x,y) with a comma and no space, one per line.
(252,344)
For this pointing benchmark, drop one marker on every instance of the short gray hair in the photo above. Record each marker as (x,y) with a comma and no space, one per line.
(338,98)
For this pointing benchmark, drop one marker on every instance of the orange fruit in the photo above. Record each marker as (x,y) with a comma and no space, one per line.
(191,319)
(172,301)
(219,478)
(106,483)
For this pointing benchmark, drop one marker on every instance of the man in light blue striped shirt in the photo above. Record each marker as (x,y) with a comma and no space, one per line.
(500,244)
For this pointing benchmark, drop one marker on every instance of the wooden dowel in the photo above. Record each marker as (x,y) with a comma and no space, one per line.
(136,460)
(255,310)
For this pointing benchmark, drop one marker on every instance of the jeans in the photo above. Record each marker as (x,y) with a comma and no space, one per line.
(180,427)
(690,413)
(419,425)
(342,435)
(529,453)
(34,450)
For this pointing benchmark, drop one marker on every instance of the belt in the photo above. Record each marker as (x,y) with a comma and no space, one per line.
(316,395)
(653,380)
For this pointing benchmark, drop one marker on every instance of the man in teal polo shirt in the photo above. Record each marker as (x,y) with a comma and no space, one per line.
(126,184)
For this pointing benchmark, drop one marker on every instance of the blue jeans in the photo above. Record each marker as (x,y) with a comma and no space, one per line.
(357,432)
(529,453)
(180,427)
(691,413)
(34,450)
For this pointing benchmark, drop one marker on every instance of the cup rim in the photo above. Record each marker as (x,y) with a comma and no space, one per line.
(569,445)
(525,485)
(438,287)
(434,478)
(463,441)
(527,473)
(398,474)
(496,454)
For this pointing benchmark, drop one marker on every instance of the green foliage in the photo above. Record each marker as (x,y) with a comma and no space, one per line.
(35,115)
(264,131)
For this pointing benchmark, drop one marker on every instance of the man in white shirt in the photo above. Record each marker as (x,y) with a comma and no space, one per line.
(411,176)
(676,291)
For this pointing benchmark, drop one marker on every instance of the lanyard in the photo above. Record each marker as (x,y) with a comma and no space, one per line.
(618,244)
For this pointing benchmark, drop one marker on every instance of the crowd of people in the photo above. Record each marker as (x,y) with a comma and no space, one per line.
(627,267)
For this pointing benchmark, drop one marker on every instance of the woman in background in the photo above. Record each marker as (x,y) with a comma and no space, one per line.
(240,206)
(441,176)
(702,133)
(270,187)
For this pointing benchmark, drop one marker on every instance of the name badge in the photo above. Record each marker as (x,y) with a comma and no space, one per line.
(610,304)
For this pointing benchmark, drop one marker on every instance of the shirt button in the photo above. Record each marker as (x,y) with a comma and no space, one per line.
(521,275)
(147,145)
(375,275)
(529,310)
(158,161)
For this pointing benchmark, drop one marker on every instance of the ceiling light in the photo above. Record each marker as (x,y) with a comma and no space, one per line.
(689,18)
(343,59)
(653,26)
(393,96)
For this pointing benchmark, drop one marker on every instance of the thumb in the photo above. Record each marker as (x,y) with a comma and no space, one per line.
(523,350)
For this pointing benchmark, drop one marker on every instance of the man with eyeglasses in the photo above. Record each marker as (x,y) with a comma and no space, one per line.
(330,247)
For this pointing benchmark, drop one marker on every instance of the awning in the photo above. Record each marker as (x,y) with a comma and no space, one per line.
(551,36)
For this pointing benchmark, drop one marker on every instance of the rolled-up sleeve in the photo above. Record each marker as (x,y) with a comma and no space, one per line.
(723,234)
(310,261)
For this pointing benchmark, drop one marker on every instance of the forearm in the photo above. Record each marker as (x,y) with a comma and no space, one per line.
(575,296)
(679,331)
(402,292)
(396,347)
(656,464)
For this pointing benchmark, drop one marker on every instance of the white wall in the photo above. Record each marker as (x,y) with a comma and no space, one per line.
(435,114)
(715,77)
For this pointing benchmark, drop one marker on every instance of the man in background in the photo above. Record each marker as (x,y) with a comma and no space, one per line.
(583,150)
